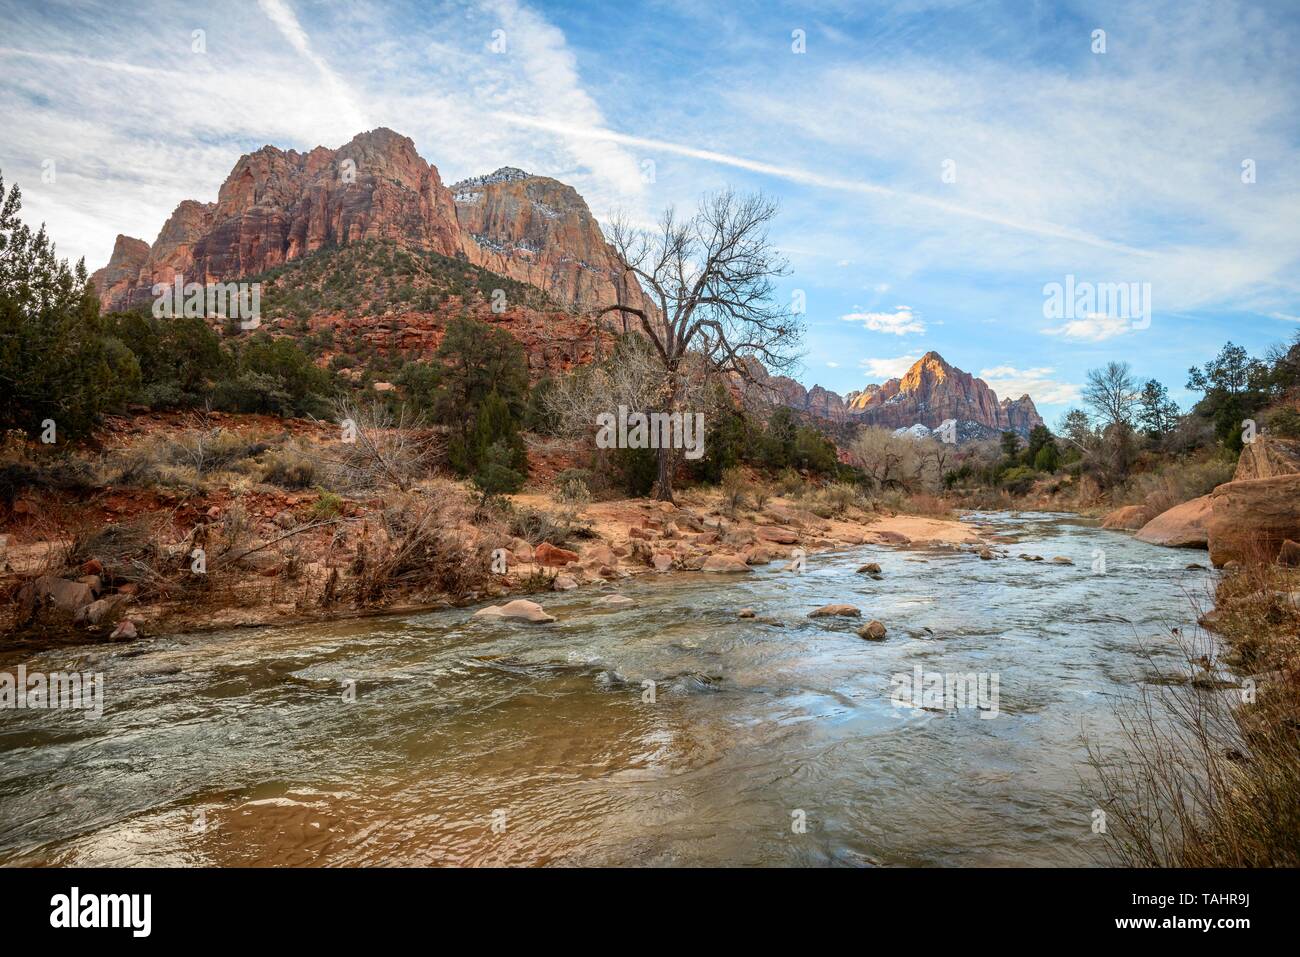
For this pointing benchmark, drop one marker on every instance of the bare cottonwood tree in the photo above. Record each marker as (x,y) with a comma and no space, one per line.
(1113,393)
(890,461)
(711,279)
(630,377)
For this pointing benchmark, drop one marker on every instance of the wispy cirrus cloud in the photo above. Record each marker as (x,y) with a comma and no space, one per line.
(286,21)
(132,140)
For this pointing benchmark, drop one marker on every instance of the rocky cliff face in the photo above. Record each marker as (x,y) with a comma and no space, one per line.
(278,205)
(540,231)
(122,273)
(931,392)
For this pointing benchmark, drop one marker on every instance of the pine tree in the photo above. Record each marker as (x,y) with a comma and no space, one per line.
(56,361)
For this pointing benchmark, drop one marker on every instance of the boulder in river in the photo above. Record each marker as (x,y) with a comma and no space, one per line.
(1062,560)
(564,583)
(520,609)
(872,631)
(836,611)
(724,563)
(616,601)
(746,613)
(870,568)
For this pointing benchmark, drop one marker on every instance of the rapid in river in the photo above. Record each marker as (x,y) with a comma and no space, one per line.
(670,732)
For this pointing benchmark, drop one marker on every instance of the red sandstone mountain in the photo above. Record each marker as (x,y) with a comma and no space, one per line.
(278,205)
(931,392)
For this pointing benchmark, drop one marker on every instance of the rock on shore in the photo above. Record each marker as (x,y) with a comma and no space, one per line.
(1183,526)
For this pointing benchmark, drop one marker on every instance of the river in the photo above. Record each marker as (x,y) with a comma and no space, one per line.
(440,739)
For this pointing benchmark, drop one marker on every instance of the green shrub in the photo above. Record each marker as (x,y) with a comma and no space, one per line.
(573,491)
(1018,480)
(289,469)
(327,505)
(1285,423)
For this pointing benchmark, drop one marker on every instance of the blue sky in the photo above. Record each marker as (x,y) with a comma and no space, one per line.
(1122,166)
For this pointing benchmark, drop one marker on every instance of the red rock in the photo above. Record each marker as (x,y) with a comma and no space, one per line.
(836,611)
(278,205)
(92,567)
(1183,526)
(540,231)
(782,536)
(725,564)
(931,392)
(123,270)
(1254,518)
(552,557)
(1267,457)
(1128,517)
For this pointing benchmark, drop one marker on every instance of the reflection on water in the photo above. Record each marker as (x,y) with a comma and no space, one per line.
(482,742)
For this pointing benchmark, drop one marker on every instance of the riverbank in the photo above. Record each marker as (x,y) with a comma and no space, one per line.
(169,563)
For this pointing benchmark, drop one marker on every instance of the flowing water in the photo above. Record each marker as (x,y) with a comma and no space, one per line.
(769,741)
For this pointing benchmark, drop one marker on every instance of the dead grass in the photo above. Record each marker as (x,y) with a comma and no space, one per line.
(1210,776)
(417,546)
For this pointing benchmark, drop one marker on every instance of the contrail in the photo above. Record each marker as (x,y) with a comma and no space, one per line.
(806,177)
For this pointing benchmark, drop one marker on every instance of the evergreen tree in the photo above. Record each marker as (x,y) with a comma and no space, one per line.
(1010,444)
(1157,414)
(56,361)
(495,474)
(1235,387)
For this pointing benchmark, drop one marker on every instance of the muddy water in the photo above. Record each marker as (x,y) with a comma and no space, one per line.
(480,742)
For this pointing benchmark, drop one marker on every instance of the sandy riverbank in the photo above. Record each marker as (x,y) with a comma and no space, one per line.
(607,541)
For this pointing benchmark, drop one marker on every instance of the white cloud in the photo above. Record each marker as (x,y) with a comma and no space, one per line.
(131,141)
(1176,135)
(1011,383)
(1285,317)
(1096,327)
(832,365)
(878,370)
(286,21)
(900,322)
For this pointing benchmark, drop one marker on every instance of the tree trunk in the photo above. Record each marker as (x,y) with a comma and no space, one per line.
(663,490)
